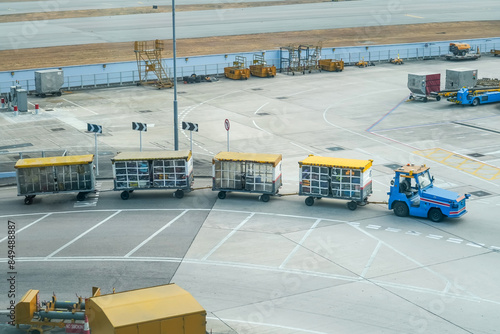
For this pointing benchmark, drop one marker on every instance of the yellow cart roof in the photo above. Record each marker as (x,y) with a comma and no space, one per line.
(336,162)
(412,169)
(265,158)
(152,155)
(55,161)
(144,305)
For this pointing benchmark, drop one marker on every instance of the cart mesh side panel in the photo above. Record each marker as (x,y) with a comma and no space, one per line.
(36,180)
(132,174)
(259,177)
(315,180)
(346,183)
(74,177)
(170,174)
(228,175)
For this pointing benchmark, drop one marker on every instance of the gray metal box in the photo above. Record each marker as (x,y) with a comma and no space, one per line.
(458,78)
(48,81)
(424,83)
(22,100)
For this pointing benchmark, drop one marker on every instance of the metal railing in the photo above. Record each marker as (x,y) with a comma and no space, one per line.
(131,77)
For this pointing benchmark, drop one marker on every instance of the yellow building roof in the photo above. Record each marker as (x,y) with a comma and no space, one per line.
(251,157)
(55,161)
(145,305)
(152,155)
(336,162)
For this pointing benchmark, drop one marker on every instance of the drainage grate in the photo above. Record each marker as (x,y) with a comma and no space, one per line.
(282,98)
(476,155)
(335,148)
(143,111)
(58,129)
(263,113)
(181,92)
(480,193)
(15,146)
(392,166)
(256,88)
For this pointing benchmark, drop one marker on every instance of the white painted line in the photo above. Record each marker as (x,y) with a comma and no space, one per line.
(472,244)
(413,233)
(304,148)
(455,240)
(434,236)
(262,106)
(155,234)
(261,129)
(22,229)
(79,106)
(391,229)
(353,223)
(495,248)
(83,234)
(228,236)
(287,329)
(370,261)
(299,245)
(373,227)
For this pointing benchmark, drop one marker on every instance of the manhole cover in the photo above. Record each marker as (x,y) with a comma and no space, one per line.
(143,111)
(263,113)
(480,193)
(58,129)
(181,92)
(392,166)
(475,155)
(282,98)
(335,148)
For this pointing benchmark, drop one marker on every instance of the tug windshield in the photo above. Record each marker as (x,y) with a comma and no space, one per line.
(424,180)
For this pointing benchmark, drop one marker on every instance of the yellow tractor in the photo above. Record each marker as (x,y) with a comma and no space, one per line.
(396,61)
(362,63)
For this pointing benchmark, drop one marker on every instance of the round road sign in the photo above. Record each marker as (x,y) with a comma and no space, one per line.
(226,124)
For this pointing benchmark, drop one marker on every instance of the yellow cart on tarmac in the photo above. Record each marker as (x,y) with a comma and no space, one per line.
(247,172)
(50,175)
(153,170)
(348,179)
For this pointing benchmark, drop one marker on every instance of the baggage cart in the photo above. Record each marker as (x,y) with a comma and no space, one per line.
(50,175)
(349,179)
(424,85)
(247,172)
(153,170)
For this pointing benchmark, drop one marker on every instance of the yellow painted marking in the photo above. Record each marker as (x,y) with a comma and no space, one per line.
(460,162)
(417,17)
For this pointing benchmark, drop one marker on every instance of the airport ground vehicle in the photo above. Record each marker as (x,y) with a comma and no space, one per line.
(348,179)
(413,193)
(153,170)
(475,97)
(50,175)
(331,65)
(461,51)
(412,189)
(247,172)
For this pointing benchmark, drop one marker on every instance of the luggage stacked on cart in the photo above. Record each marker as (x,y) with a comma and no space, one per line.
(54,175)
(247,172)
(153,170)
(348,179)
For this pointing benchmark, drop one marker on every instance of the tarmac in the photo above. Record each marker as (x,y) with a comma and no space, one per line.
(277,267)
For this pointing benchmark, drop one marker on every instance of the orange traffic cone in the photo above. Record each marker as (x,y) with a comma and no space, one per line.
(86,329)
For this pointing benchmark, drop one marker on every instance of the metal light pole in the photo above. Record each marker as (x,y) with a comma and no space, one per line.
(176,125)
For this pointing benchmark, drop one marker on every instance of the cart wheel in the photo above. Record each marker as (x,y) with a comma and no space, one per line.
(125,195)
(352,205)
(179,193)
(425,99)
(309,201)
(264,198)
(221,194)
(28,200)
(81,196)
(438,98)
